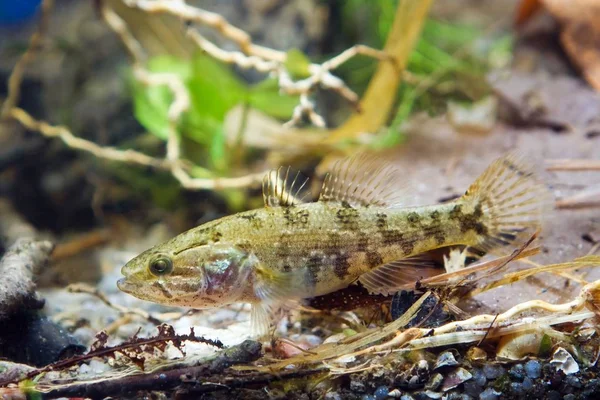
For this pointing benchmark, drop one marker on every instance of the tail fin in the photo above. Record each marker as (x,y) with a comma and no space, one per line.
(513,202)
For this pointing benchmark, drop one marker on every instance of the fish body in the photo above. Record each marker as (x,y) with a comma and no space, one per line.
(356,232)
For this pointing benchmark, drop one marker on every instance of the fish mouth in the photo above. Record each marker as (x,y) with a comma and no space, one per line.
(126,285)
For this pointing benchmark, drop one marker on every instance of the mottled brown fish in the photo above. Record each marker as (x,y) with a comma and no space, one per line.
(358,231)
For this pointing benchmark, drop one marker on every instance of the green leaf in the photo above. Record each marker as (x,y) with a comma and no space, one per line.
(214,89)
(151,103)
(297,63)
(265,96)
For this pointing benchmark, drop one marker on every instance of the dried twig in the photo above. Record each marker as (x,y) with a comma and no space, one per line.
(18,267)
(132,349)
(572,165)
(264,59)
(584,199)
(80,244)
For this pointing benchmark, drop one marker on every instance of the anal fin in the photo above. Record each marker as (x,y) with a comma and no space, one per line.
(400,274)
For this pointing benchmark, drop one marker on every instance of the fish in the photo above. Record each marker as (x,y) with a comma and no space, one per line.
(360,231)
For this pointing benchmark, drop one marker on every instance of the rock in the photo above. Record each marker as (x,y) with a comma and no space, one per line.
(517,372)
(563,361)
(445,359)
(527,384)
(333,396)
(553,395)
(489,394)
(479,377)
(476,354)
(381,392)
(517,388)
(435,381)
(533,369)
(472,388)
(573,381)
(455,378)
(357,386)
(492,371)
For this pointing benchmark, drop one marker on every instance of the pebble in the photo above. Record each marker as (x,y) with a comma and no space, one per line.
(516,388)
(381,392)
(435,382)
(573,381)
(472,388)
(406,397)
(492,371)
(569,397)
(333,396)
(478,377)
(357,386)
(489,394)
(517,372)
(527,384)
(446,359)
(533,369)
(553,395)
(367,397)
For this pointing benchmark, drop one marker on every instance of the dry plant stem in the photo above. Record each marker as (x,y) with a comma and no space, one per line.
(263,59)
(586,261)
(572,165)
(18,267)
(380,95)
(87,289)
(177,108)
(584,199)
(14,81)
(107,153)
(80,244)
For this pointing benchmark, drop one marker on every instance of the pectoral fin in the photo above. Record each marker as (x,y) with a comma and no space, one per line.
(260,320)
(400,274)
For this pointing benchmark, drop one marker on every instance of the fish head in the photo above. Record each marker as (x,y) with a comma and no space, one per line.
(202,276)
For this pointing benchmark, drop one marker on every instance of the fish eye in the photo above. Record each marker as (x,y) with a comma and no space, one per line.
(161,266)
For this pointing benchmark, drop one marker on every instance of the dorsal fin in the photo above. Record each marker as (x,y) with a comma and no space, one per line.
(363,181)
(282,188)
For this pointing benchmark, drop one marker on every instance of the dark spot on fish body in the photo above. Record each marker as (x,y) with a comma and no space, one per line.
(435,215)
(392,236)
(456,212)
(363,242)
(381,220)
(472,221)
(347,217)
(440,238)
(216,235)
(294,217)
(313,267)
(283,249)
(286,268)
(374,259)
(407,246)
(413,218)
(253,220)
(341,265)
(345,204)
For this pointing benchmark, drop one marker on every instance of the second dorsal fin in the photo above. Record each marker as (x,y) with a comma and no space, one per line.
(282,188)
(364,181)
